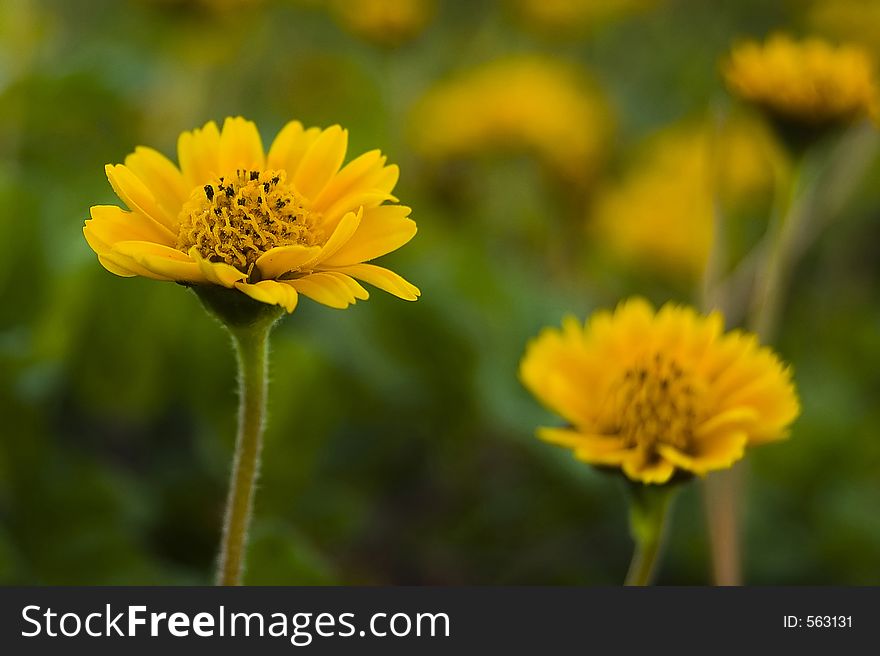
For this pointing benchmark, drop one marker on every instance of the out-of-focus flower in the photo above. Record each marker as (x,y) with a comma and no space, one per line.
(384,22)
(573,16)
(811,82)
(660,214)
(272,226)
(655,393)
(519,104)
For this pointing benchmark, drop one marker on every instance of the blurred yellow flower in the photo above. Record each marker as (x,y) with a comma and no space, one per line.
(523,103)
(271,226)
(809,82)
(567,16)
(660,214)
(656,393)
(385,22)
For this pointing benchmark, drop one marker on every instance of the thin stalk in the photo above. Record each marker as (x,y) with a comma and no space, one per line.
(796,222)
(648,518)
(723,490)
(251,345)
(643,563)
(722,493)
(771,283)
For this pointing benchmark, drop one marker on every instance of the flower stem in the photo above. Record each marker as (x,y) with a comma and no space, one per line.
(251,345)
(648,513)
(723,492)
(770,284)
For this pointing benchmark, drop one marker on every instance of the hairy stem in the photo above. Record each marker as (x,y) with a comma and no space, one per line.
(251,345)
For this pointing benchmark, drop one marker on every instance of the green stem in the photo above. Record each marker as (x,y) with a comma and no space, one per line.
(648,513)
(251,345)
(772,279)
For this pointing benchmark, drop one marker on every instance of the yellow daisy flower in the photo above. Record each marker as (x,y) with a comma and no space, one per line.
(660,214)
(522,103)
(809,81)
(272,226)
(384,22)
(658,393)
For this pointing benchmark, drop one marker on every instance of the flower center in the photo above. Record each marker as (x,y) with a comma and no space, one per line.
(656,402)
(236,219)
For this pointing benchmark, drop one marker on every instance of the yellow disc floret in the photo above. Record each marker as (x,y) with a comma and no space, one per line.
(654,402)
(236,219)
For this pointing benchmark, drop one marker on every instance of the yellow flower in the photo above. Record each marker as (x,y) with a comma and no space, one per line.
(660,214)
(385,22)
(522,103)
(271,226)
(656,393)
(809,82)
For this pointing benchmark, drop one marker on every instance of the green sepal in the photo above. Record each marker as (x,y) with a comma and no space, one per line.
(648,507)
(234,309)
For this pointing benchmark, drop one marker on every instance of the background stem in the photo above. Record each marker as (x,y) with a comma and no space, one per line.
(723,492)
(251,345)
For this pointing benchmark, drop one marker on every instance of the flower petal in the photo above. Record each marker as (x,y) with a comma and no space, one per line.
(125,266)
(383,279)
(321,162)
(647,468)
(558,369)
(595,449)
(354,202)
(364,173)
(218,273)
(734,419)
(352,175)
(135,194)
(240,146)
(110,224)
(720,452)
(289,147)
(114,268)
(354,287)
(271,293)
(170,263)
(199,154)
(161,177)
(326,288)
(275,262)
(382,230)
(343,232)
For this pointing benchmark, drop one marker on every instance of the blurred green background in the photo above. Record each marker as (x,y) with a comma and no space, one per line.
(400,444)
